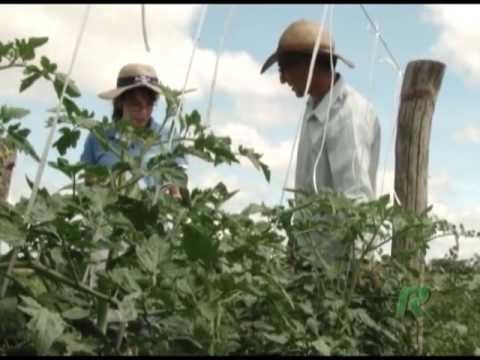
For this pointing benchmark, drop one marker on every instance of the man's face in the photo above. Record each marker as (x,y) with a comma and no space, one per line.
(296,77)
(138,109)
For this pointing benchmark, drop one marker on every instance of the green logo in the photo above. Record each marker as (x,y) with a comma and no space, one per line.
(411,298)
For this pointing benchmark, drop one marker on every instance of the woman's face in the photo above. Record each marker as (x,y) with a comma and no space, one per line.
(138,108)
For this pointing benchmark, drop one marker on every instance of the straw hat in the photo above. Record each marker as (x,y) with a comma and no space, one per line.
(132,76)
(300,36)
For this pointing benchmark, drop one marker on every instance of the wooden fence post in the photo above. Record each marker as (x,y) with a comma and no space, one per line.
(7,162)
(420,88)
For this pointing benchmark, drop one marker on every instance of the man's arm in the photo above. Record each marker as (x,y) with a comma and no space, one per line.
(375,154)
(89,158)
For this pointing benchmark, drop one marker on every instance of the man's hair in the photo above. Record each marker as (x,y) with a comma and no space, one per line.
(289,59)
(135,93)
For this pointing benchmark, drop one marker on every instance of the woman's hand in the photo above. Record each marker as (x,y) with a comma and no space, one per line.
(174,191)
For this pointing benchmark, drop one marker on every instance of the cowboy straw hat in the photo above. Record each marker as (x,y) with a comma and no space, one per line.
(135,75)
(300,36)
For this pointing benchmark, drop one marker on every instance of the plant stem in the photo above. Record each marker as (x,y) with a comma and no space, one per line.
(58,277)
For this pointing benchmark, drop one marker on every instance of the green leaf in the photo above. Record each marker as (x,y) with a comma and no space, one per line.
(48,67)
(37,41)
(44,326)
(8,307)
(127,278)
(26,50)
(126,308)
(42,212)
(76,345)
(198,246)
(13,234)
(306,307)
(65,167)
(138,212)
(18,138)
(71,90)
(8,113)
(76,313)
(277,338)
(71,108)
(152,252)
(255,160)
(321,346)
(207,311)
(68,139)
(363,316)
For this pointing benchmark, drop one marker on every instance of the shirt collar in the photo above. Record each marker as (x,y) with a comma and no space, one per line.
(319,109)
(113,135)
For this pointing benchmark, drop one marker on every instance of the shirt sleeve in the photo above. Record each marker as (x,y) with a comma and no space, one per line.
(88,155)
(349,156)
(182,162)
(375,154)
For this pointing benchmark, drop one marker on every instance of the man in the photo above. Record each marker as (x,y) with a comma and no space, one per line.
(339,143)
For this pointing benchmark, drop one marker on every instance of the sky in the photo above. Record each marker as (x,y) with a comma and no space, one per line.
(256,110)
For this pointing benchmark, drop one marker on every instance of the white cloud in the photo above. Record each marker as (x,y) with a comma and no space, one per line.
(469,134)
(459,36)
(249,192)
(113,37)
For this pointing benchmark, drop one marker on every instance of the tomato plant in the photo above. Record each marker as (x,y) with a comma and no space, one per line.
(113,269)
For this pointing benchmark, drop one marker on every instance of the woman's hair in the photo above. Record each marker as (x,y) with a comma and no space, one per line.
(135,93)
(293,58)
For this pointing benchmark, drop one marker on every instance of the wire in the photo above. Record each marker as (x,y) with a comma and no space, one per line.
(144,28)
(330,95)
(384,43)
(393,61)
(367,105)
(194,48)
(219,52)
(396,105)
(47,146)
(48,143)
(177,112)
(307,88)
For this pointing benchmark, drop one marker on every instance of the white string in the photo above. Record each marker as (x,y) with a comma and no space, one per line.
(370,90)
(194,48)
(396,108)
(374,56)
(48,143)
(177,112)
(144,28)
(330,95)
(219,52)
(395,64)
(307,88)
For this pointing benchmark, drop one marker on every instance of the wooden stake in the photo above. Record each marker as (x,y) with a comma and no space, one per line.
(420,88)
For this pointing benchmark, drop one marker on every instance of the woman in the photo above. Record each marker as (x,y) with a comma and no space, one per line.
(134,98)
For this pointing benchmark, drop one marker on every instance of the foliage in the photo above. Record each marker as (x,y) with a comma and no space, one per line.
(112,269)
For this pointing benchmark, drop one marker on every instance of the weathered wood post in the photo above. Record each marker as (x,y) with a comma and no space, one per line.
(420,88)
(7,162)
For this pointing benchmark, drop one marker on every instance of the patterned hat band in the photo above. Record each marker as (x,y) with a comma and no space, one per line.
(129,80)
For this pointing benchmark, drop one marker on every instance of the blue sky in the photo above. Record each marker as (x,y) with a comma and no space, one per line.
(256,110)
